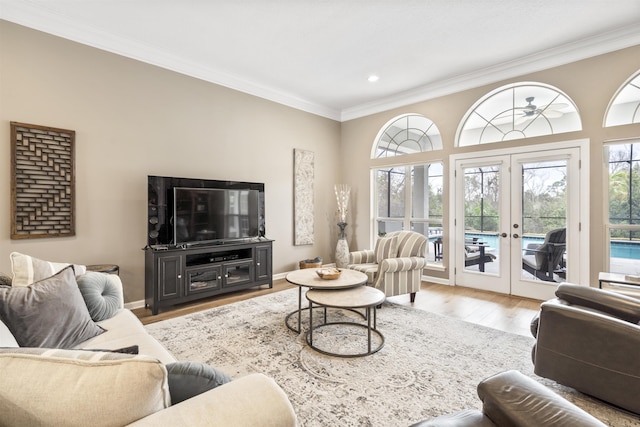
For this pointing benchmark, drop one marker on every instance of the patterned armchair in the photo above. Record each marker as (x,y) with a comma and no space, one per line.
(395,265)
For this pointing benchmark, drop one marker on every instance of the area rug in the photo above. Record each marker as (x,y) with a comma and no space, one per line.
(429,365)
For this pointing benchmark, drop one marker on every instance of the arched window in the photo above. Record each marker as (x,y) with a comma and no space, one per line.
(407,134)
(516,111)
(408,196)
(624,107)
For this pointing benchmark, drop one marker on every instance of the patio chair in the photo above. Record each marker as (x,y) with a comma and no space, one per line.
(475,254)
(395,265)
(542,260)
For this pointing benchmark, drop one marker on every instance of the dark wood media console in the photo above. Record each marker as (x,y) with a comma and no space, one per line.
(178,275)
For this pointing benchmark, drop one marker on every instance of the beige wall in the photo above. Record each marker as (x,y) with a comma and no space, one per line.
(133,120)
(590,83)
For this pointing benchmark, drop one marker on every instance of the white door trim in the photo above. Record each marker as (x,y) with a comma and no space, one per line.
(584,218)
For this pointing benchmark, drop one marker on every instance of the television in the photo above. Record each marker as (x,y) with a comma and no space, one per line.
(190,211)
(204,215)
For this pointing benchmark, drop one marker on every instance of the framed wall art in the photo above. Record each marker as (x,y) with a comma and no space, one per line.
(303,201)
(42,182)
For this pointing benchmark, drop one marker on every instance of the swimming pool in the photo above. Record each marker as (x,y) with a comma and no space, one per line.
(619,249)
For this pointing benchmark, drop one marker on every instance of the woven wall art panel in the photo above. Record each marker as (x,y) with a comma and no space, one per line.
(42,182)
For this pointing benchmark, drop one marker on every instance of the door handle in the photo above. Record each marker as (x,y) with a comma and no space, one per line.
(504,235)
(515,236)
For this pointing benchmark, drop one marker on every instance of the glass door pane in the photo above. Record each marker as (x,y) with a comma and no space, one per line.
(544,220)
(481,218)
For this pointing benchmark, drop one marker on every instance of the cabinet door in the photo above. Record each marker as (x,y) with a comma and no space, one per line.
(237,273)
(169,277)
(202,279)
(263,262)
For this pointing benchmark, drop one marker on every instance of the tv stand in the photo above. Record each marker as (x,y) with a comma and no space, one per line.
(175,275)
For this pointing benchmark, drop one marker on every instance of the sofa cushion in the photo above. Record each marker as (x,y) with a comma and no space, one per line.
(386,247)
(27,269)
(370,269)
(123,330)
(79,388)
(48,313)
(101,295)
(188,379)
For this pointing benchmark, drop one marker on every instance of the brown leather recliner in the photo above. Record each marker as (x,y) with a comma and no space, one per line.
(589,339)
(511,399)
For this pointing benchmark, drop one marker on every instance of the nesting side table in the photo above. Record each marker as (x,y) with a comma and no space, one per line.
(352,298)
(309,278)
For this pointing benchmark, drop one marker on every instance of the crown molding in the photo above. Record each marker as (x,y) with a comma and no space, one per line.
(560,55)
(40,18)
(35,16)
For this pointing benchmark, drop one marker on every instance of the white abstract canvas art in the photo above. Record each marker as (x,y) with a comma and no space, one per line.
(303,197)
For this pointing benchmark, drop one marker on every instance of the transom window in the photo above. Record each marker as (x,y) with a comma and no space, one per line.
(407,134)
(624,108)
(517,111)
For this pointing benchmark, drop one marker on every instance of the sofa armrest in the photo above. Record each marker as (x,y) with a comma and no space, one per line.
(615,304)
(395,265)
(362,257)
(513,399)
(254,400)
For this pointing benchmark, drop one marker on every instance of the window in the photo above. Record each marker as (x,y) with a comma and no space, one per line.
(410,198)
(624,207)
(625,105)
(407,134)
(517,111)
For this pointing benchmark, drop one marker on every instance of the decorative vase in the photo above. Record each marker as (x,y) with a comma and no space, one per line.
(342,248)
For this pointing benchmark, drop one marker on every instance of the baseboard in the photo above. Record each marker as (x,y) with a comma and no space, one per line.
(134,304)
(436,280)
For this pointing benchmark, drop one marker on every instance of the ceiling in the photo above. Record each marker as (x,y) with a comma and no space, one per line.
(316,55)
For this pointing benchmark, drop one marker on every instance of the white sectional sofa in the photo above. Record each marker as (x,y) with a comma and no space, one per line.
(74,386)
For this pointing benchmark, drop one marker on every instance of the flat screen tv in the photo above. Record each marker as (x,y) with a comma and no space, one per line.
(203,215)
(189,211)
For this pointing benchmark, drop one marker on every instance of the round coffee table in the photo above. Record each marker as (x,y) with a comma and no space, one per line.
(360,297)
(308,277)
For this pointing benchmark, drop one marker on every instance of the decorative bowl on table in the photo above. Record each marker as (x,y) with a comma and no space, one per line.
(328,273)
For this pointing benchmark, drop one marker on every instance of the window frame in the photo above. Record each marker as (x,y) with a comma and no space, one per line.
(408,219)
(609,226)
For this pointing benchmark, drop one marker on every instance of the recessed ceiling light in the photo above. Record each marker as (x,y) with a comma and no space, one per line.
(373,78)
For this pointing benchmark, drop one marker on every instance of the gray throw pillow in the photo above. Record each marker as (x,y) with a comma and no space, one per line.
(188,379)
(49,313)
(100,295)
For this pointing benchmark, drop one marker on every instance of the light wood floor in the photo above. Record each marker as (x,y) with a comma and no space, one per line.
(503,312)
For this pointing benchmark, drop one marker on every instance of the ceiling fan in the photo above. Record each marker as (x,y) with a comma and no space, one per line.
(531,111)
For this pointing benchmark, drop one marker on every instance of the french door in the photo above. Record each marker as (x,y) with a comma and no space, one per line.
(517,221)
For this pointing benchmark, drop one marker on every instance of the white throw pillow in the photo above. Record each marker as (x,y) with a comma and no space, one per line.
(80,388)
(27,269)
